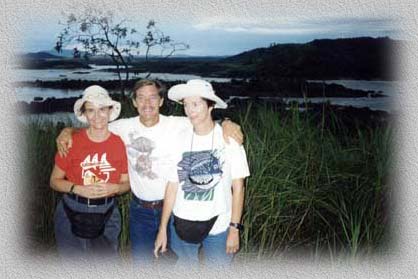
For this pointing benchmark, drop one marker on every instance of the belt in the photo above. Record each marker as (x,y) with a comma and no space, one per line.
(90,202)
(158,204)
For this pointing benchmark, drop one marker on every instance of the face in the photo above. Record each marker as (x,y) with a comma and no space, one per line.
(197,110)
(97,117)
(148,102)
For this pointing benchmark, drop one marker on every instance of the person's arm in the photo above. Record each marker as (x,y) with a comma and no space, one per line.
(59,183)
(169,199)
(229,128)
(233,130)
(113,189)
(232,241)
(64,141)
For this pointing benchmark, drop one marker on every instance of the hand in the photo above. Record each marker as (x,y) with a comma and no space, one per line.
(64,142)
(233,130)
(95,191)
(108,189)
(232,241)
(160,242)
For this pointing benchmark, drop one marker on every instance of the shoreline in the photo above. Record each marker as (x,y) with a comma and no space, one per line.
(240,93)
(284,87)
(349,115)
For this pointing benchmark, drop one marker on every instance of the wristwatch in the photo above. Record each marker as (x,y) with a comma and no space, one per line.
(238,226)
(71,192)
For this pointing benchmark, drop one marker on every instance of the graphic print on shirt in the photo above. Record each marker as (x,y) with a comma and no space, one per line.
(139,154)
(199,172)
(95,170)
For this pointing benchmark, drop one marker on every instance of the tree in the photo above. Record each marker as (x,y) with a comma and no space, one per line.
(76,53)
(99,33)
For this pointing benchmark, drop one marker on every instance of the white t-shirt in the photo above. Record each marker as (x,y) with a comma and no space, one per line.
(206,167)
(149,151)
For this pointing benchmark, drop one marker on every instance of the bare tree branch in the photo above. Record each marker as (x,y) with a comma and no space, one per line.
(96,33)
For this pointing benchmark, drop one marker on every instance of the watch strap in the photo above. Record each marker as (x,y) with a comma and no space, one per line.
(238,226)
(72,189)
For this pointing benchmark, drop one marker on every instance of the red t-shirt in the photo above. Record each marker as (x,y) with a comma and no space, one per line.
(91,162)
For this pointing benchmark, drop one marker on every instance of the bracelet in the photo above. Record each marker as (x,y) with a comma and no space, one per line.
(72,189)
(238,226)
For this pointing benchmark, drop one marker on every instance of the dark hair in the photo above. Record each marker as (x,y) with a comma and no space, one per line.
(210,103)
(83,108)
(148,82)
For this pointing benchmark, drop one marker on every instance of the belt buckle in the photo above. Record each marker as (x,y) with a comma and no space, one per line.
(90,205)
(156,204)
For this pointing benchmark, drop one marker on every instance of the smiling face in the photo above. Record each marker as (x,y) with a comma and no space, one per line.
(97,116)
(148,102)
(198,111)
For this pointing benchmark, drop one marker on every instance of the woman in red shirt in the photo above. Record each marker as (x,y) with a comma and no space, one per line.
(94,171)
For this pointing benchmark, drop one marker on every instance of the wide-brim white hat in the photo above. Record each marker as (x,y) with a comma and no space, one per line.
(100,97)
(195,87)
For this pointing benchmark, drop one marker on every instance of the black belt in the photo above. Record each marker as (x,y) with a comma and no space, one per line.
(148,204)
(90,201)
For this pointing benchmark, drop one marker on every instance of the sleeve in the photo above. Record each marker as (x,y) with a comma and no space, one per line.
(238,157)
(181,122)
(174,158)
(124,158)
(61,162)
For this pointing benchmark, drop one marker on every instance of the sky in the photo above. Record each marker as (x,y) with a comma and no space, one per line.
(218,36)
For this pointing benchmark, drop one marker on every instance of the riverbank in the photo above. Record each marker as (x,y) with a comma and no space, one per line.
(285,87)
(311,96)
(324,114)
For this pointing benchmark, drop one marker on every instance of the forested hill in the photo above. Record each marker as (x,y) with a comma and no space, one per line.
(356,58)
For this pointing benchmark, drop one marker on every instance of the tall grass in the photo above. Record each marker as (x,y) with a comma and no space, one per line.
(314,184)
(312,187)
(39,152)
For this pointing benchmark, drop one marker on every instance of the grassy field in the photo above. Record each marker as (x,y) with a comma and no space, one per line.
(315,187)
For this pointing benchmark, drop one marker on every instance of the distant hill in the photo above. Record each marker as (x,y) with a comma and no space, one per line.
(44,60)
(45,54)
(356,58)
(353,58)
(39,55)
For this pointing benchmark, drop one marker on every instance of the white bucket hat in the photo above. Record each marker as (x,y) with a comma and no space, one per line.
(100,97)
(195,87)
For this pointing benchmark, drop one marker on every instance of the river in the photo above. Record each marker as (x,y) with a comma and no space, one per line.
(390,89)
(97,72)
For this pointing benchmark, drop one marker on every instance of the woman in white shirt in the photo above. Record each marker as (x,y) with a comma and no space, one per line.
(206,194)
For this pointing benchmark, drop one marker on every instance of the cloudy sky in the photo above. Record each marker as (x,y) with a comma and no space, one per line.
(220,35)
